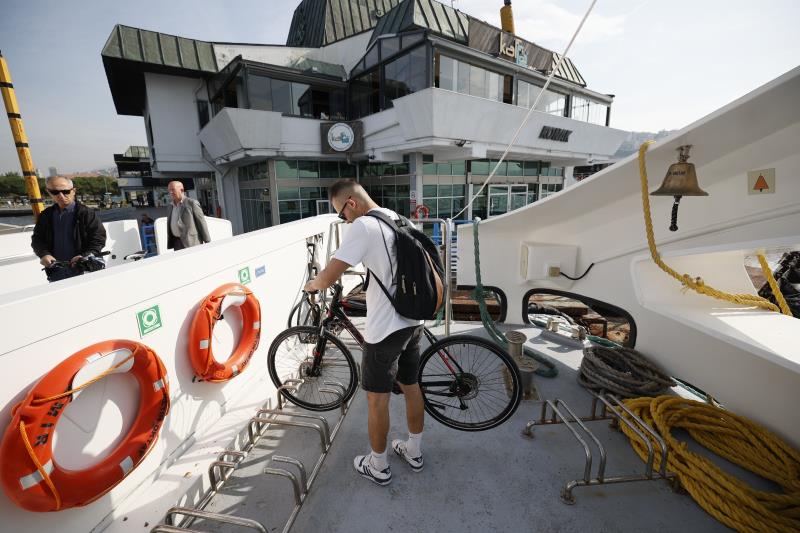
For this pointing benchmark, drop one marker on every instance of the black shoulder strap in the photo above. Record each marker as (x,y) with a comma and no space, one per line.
(389,221)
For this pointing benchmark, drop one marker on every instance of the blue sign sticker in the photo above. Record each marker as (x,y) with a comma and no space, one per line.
(260,271)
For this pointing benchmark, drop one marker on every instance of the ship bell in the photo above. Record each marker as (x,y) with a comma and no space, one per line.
(681,178)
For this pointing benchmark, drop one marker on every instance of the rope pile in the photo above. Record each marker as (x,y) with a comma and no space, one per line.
(740,441)
(623,371)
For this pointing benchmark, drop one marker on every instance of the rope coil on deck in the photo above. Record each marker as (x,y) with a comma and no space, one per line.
(740,441)
(623,371)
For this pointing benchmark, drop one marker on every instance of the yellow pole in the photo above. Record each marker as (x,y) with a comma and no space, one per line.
(507,17)
(20,139)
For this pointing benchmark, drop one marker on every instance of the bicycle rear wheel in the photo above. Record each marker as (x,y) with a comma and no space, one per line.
(303,314)
(469,383)
(291,356)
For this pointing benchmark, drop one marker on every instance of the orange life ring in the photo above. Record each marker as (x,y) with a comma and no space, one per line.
(31,477)
(424,208)
(200,347)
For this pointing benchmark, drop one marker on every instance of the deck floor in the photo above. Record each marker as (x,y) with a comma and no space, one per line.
(498,480)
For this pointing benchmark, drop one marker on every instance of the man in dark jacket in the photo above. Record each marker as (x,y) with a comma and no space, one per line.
(66,231)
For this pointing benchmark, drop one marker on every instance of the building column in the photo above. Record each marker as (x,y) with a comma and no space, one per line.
(569,178)
(415,164)
(274,207)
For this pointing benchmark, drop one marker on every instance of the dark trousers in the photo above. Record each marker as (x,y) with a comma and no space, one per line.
(177,244)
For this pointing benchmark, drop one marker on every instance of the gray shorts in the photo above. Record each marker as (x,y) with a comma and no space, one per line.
(395,357)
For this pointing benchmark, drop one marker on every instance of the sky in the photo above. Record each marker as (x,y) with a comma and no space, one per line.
(668,62)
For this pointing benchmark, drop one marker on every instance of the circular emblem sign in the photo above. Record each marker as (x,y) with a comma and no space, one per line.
(341,137)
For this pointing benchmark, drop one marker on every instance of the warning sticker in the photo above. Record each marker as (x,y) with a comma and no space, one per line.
(761,181)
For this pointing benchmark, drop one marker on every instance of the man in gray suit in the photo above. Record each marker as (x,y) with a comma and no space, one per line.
(186,223)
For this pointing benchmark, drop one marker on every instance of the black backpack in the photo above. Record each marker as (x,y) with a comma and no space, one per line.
(418,274)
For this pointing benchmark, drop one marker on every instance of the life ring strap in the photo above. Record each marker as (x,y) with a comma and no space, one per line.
(39,467)
(40,401)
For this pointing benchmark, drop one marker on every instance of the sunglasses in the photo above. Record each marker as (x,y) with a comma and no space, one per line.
(341,213)
(55,192)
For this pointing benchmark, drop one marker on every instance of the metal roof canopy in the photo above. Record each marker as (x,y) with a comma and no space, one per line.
(431,15)
(318,23)
(130,52)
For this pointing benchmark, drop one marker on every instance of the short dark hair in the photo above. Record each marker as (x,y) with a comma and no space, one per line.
(341,187)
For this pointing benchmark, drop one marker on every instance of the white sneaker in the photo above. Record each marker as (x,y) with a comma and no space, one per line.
(363,466)
(399,447)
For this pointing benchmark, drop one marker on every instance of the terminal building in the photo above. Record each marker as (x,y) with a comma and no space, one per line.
(413,98)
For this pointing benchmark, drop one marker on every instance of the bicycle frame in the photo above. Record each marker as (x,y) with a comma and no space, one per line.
(335,314)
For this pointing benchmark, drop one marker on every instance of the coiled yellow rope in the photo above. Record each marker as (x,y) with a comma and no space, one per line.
(696,284)
(738,440)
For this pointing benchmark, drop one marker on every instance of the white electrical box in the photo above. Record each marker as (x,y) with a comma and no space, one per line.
(543,261)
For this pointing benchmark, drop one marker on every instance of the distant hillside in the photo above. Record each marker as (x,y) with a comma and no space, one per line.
(636,138)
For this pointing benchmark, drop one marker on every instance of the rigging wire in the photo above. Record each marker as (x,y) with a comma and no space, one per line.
(530,111)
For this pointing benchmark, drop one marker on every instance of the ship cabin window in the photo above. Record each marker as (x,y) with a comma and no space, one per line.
(599,318)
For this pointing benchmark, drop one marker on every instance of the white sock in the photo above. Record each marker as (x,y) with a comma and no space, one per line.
(414,444)
(378,460)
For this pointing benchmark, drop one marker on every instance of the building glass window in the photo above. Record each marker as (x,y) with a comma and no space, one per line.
(301,100)
(308,169)
(259,91)
(546,189)
(254,195)
(589,111)
(286,169)
(405,75)
(459,76)
(282,96)
(551,102)
(365,94)
(202,113)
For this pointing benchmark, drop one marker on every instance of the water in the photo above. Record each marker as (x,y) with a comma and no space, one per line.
(17,221)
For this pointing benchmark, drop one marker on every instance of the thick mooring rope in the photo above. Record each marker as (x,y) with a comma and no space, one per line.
(622,371)
(740,441)
(547,367)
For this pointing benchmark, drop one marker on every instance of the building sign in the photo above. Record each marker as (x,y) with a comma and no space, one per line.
(513,49)
(555,134)
(342,137)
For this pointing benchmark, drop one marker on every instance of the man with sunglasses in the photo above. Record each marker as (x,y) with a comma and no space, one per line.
(67,230)
(391,352)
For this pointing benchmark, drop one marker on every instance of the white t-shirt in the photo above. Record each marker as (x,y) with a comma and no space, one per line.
(363,244)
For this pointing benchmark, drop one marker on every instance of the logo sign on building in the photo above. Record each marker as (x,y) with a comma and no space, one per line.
(260,271)
(555,134)
(244,275)
(148,320)
(342,137)
(761,181)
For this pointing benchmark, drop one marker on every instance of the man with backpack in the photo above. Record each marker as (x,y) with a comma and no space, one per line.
(408,287)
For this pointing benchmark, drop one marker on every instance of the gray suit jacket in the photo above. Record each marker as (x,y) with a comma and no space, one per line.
(191,223)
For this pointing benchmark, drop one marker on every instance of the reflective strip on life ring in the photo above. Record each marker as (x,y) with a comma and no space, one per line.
(201,350)
(31,478)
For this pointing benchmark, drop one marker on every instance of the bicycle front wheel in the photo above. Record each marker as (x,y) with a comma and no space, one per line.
(291,357)
(469,383)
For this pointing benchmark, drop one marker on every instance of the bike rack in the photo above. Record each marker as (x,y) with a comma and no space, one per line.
(611,409)
(228,460)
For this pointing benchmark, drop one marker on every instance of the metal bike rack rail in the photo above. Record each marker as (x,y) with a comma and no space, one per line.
(228,460)
(611,409)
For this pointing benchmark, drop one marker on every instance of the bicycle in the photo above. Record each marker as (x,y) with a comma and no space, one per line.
(468,383)
(87,263)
